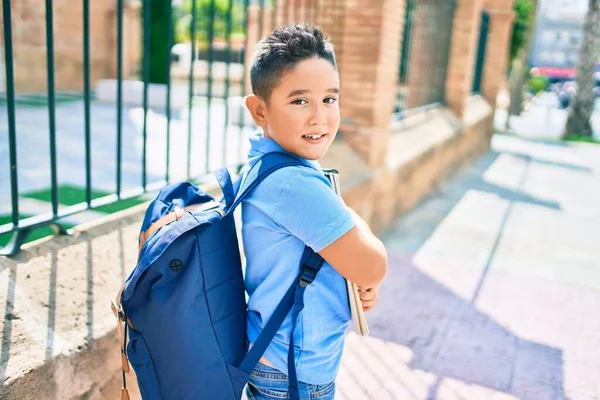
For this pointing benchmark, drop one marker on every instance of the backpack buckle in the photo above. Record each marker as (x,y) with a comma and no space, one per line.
(307,277)
(117,311)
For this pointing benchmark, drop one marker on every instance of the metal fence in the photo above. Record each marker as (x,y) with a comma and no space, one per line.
(138,147)
(480,59)
(215,126)
(126,148)
(424,55)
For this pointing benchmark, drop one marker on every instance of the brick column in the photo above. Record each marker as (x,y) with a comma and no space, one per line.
(463,51)
(293,11)
(132,36)
(498,47)
(369,73)
(329,16)
(132,39)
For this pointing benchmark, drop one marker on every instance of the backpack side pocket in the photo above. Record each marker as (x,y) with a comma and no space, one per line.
(140,359)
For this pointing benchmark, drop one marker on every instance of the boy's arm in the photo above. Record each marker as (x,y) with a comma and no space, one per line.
(308,209)
(358,255)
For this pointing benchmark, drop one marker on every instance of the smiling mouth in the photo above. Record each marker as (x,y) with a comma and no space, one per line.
(314,137)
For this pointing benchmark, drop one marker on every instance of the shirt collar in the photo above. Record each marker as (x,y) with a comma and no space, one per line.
(260,145)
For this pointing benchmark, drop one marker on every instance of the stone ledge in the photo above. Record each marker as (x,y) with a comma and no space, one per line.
(59,338)
(356,178)
(58,327)
(422,151)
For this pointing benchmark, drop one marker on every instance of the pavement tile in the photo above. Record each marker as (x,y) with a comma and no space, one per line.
(493,286)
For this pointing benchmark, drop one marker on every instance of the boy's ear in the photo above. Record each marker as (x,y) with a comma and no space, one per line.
(257,108)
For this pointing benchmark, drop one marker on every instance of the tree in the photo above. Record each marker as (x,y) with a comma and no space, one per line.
(519,50)
(580,113)
(159,51)
(203,20)
(522,26)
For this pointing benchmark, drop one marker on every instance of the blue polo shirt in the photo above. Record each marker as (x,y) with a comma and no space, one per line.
(292,207)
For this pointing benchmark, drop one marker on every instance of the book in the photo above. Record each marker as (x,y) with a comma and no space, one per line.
(358,315)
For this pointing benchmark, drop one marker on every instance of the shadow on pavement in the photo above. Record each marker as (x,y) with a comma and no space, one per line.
(447,334)
(451,338)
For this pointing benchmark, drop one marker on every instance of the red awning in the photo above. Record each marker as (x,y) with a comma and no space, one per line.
(555,72)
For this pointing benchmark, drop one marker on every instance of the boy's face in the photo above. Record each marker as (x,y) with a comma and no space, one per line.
(303,114)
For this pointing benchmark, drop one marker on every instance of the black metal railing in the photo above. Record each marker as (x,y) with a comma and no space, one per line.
(208,130)
(186,125)
(424,56)
(480,59)
(219,138)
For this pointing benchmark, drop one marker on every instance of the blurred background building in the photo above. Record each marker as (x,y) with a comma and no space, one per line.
(556,39)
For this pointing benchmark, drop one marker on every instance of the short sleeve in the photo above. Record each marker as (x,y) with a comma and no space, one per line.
(309,209)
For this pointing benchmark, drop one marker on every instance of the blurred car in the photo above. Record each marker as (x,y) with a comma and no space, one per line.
(566,92)
(563,99)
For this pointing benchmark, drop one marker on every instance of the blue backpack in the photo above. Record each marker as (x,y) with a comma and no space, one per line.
(182,310)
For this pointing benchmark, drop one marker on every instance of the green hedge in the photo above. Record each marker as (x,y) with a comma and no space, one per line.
(538,84)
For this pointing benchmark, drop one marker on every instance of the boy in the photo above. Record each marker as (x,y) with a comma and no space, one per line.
(295,87)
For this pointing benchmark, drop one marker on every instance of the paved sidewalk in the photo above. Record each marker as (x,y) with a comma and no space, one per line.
(33,145)
(493,289)
(542,118)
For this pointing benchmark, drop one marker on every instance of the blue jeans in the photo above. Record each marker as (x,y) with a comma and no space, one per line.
(267,383)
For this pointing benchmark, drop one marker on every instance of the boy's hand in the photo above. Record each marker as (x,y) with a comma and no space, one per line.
(368,297)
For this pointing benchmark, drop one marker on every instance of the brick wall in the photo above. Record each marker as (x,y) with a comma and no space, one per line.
(29,43)
(498,46)
(327,14)
(369,73)
(463,50)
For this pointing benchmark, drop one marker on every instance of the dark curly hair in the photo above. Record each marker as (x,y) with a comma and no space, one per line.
(278,53)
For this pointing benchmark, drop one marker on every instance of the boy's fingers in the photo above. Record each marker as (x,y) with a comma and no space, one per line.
(367,296)
(368,303)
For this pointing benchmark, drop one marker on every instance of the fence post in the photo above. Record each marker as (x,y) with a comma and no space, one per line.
(497,55)
(481,51)
(369,74)
(463,50)
(252,38)
(427,58)
(132,39)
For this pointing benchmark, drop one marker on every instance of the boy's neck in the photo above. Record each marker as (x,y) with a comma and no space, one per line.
(266,136)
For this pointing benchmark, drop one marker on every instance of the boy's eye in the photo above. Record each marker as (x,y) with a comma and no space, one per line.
(299,102)
(330,100)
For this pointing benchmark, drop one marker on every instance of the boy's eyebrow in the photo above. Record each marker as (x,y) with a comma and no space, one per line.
(303,91)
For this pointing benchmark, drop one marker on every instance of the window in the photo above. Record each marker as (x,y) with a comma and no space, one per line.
(548,37)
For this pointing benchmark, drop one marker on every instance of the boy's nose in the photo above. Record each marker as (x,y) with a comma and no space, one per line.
(318,117)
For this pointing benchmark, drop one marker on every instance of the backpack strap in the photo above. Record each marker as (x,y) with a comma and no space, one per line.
(224,179)
(174,215)
(308,273)
(264,167)
(311,264)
